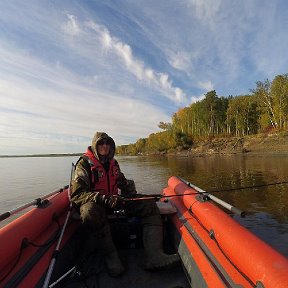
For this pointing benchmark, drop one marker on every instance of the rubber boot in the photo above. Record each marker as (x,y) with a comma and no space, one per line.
(113,263)
(154,257)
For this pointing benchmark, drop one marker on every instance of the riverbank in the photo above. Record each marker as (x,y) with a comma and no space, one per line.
(262,143)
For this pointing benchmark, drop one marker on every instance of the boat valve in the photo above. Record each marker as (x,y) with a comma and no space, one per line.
(212,234)
(202,197)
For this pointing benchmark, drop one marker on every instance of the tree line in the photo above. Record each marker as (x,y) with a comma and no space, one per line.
(265,108)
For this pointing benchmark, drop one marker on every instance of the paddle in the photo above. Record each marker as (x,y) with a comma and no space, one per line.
(215,199)
(37,202)
(56,252)
(62,277)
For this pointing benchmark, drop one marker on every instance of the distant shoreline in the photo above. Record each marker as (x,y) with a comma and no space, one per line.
(42,155)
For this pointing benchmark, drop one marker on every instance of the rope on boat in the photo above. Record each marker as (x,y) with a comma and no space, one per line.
(15,264)
(56,252)
(24,244)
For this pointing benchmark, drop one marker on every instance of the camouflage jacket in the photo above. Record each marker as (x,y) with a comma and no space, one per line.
(81,183)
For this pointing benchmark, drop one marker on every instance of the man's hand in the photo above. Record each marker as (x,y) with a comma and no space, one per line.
(111,201)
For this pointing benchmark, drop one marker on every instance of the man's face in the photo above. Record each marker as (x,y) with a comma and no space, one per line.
(103,147)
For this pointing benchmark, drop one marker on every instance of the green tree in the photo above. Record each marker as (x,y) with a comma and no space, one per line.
(181,121)
(210,103)
(140,145)
(242,115)
(215,109)
(279,92)
(266,102)
(165,126)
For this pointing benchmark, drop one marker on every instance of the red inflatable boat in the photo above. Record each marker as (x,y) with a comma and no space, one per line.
(215,250)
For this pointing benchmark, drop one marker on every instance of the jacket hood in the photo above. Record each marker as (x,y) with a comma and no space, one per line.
(100,136)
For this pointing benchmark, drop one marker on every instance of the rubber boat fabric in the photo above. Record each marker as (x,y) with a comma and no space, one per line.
(238,255)
(214,250)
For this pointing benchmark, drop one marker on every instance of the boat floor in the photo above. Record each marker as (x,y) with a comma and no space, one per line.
(134,275)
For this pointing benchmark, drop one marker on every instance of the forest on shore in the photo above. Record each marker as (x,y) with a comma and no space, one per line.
(264,110)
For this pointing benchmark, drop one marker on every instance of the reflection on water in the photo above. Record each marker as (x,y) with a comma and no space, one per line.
(24,179)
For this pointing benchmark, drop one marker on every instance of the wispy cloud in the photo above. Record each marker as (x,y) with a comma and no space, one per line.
(71,26)
(207,86)
(157,80)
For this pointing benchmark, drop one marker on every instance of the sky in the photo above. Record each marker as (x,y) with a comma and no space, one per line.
(70,68)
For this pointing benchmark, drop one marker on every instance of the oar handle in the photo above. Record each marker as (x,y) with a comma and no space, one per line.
(62,277)
(238,212)
(226,205)
(215,199)
(18,209)
(4,216)
(37,201)
(57,249)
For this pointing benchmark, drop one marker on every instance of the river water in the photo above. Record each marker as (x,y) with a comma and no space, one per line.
(24,179)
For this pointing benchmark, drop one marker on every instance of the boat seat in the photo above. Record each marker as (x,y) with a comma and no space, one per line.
(166,208)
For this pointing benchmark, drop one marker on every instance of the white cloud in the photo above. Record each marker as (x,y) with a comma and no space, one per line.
(180,60)
(157,80)
(206,10)
(194,99)
(71,26)
(206,85)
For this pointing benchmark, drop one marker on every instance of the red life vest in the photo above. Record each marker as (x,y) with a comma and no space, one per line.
(105,183)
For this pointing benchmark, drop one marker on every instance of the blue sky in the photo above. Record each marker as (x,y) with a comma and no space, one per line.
(69,68)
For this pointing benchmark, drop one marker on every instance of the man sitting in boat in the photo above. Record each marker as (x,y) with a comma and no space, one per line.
(95,187)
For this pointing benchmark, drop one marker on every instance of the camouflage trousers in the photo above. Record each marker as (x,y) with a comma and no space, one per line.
(94,215)
(94,222)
